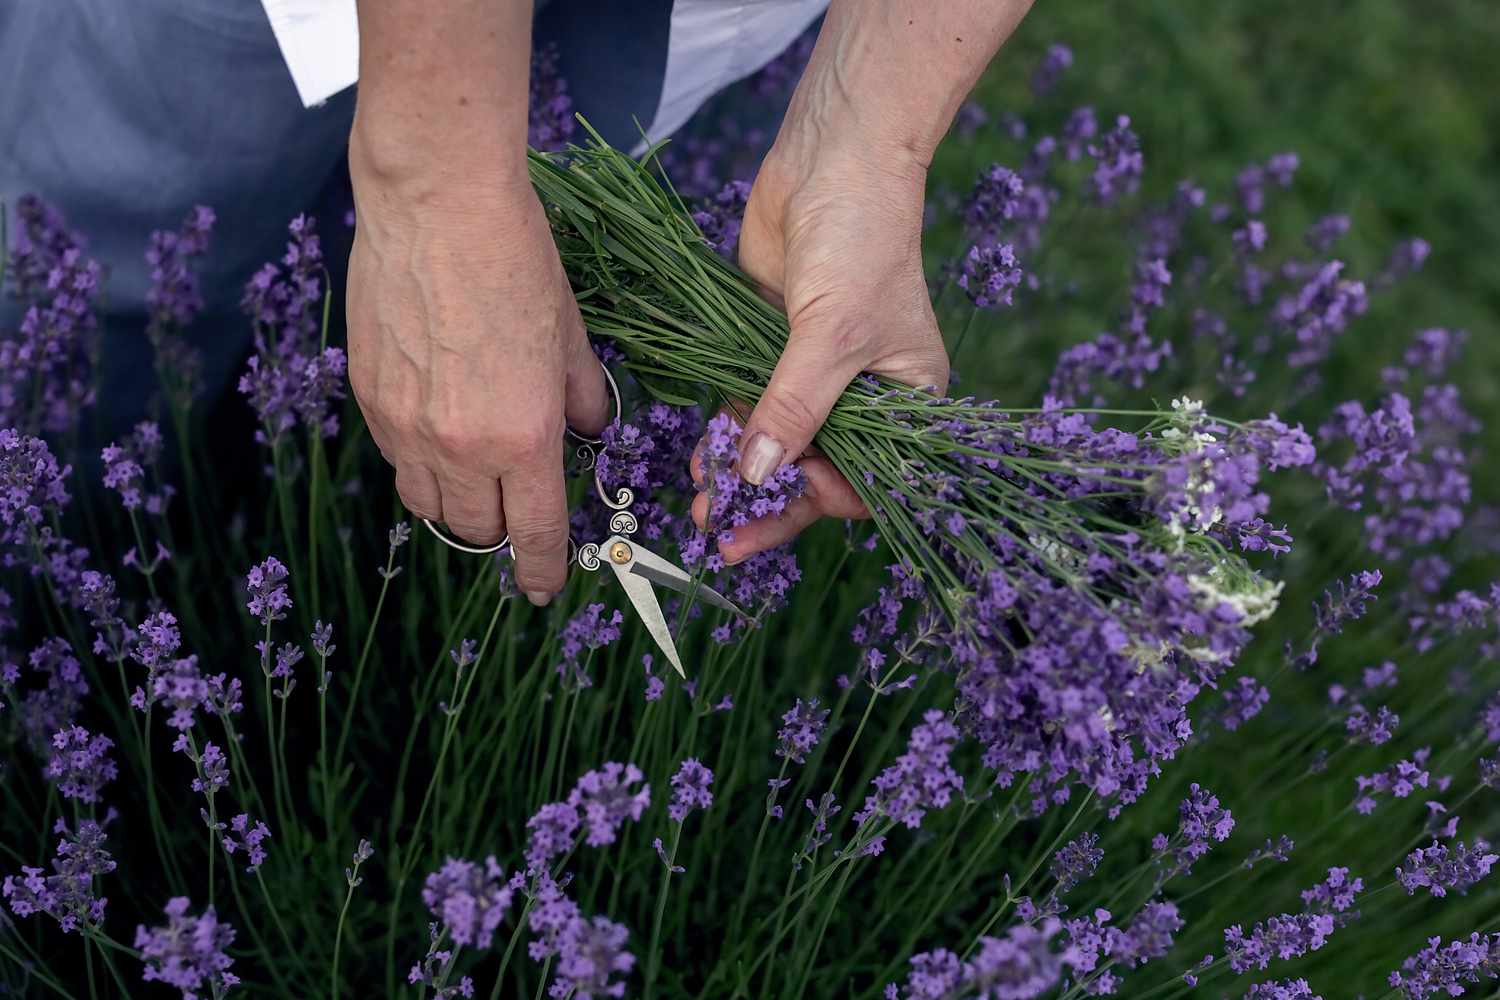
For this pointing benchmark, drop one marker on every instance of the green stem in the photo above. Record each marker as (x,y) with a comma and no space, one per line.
(653,956)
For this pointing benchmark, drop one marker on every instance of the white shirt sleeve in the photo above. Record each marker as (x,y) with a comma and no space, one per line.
(713,43)
(319,39)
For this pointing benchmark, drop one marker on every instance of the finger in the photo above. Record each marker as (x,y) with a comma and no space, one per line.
(830,491)
(769,532)
(695,464)
(700,511)
(536,511)
(588,406)
(471,506)
(419,491)
(808,380)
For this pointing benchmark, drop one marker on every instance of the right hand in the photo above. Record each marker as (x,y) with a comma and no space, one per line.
(467,356)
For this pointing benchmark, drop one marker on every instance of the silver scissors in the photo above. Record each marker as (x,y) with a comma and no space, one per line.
(637,568)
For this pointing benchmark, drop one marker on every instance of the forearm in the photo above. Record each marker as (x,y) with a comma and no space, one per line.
(442,94)
(891,74)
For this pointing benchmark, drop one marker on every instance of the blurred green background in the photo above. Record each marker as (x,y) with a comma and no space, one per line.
(1393,107)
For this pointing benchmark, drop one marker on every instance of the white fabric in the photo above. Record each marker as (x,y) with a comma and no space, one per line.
(714,43)
(319,39)
(711,44)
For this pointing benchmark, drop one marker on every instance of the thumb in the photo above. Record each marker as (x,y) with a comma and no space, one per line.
(808,380)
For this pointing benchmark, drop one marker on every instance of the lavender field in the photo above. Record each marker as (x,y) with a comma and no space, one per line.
(1166,667)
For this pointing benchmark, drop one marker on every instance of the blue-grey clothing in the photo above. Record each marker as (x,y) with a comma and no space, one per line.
(126,113)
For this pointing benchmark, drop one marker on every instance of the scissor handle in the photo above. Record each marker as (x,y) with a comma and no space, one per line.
(587,453)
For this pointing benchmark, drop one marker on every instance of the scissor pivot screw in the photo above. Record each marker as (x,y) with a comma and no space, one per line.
(619,553)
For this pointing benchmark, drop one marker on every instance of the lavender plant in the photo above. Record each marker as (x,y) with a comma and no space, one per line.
(1034,733)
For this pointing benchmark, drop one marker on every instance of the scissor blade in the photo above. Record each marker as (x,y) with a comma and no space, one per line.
(648,609)
(656,569)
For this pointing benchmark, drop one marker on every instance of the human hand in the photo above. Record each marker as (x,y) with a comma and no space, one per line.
(834,235)
(466,355)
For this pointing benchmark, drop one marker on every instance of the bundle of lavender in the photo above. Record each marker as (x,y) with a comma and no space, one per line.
(1056,560)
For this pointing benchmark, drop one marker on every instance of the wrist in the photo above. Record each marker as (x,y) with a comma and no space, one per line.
(893,73)
(431,169)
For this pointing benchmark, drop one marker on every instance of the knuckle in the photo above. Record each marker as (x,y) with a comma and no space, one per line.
(456,438)
(530,439)
(476,530)
(539,536)
(418,504)
(788,410)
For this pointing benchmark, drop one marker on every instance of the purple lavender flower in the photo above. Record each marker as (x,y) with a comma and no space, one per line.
(1289,935)
(43,711)
(1335,894)
(67,895)
(1279,849)
(1291,989)
(1363,727)
(1406,259)
(995,200)
(190,953)
(322,639)
(1076,862)
(990,275)
(1318,311)
(1327,231)
(1081,127)
(1057,61)
(1445,969)
(605,800)
(1021,965)
(469,898)
(80,764)
(733,502)
(921,778)
(719,219)
(1399,781)
(266,587)
(1489,772)
(550,121)
(251,836)
(46,377)
(173,298)
(1440,868)
(585,633)
(690,789)
(1148,937)
(31,484)
(1200,819)
(432,970)
(212,765)
(590,954)
(1344,602)
(1243,701)
(552,832)
(1118,162)
(1251,181)
(802,727)
(292,378)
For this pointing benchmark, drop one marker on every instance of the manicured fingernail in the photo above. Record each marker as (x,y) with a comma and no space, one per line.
(539,597)
(760,458)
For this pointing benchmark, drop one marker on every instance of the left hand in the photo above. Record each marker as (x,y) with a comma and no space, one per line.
(834,235)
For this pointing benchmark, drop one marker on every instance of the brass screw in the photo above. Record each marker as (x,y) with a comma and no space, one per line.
(619,553)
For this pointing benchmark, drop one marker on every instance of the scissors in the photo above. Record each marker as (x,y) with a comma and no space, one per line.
(637,568)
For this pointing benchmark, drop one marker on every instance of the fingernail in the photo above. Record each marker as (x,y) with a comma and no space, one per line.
(539,597)
(760,457)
